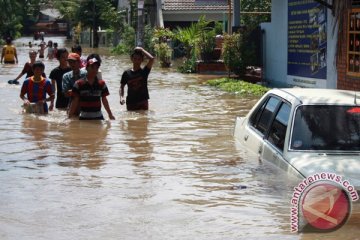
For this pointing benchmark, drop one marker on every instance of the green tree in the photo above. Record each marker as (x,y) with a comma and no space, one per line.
(127,44)
(256,12)
(9,18)
(68,9)
(13,14)
(95,14)
(18,15)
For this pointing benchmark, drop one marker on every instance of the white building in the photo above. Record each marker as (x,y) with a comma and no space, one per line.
(299,45)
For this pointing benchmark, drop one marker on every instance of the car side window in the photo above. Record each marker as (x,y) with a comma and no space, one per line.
(263,116)
(278,128)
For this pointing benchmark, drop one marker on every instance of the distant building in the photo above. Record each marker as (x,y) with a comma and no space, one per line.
(300,45)
(50,21)
(173,13)
(184,12)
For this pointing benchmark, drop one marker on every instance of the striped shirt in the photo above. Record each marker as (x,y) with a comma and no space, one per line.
(36,91)
(90,97)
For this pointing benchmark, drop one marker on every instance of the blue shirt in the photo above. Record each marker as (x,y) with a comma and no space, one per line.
(69,79)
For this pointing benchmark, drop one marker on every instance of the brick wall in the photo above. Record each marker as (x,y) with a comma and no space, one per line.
(344,80)
(212,67)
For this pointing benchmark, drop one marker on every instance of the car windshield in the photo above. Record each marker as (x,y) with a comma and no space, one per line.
(326,127)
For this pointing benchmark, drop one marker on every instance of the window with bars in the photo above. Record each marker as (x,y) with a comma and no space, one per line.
(353,51)
(355,3)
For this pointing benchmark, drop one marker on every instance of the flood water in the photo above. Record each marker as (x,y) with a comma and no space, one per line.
(173,172)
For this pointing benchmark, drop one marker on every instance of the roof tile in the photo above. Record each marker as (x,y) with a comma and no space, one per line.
(193,5)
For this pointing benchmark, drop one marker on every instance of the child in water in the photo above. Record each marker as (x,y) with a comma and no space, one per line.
(50,48)
(35,88)
(136,80)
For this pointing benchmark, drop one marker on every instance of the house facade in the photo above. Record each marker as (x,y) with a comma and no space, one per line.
(173,13)
(300,46)
(50,21)
(184,12)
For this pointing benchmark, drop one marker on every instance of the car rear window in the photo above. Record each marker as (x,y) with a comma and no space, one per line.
(326,127)
(264,115)
(279,126)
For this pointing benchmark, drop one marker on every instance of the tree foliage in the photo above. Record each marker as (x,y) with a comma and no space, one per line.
(233,58)
(127,44)
(163,51)
(99,13)
(17,15)
(255,12)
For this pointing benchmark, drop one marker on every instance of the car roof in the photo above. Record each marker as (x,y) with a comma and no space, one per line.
(319,96)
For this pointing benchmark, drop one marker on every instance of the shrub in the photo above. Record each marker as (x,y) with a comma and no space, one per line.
(163,51)
(207,44)
(127,43)
(232,53)
(238,86)
(189,65)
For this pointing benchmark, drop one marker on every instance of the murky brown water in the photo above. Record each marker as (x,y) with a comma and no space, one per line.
(174,172)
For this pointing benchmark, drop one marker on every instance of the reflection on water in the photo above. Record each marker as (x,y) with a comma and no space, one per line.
(139,145)
(84,144)
(173,172)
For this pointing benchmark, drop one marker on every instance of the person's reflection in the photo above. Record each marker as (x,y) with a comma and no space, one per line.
(138,142)
(83,144)
(38,131)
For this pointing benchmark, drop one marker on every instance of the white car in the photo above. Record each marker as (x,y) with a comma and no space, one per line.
(306,131)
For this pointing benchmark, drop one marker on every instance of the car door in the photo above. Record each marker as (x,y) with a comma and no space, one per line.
(258,124)
(274,139)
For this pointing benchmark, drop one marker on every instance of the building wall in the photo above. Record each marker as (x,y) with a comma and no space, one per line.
(123,4)
(332,74)
(275,50)
(275,45)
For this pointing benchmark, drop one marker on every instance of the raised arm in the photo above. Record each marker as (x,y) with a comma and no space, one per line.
(148,56)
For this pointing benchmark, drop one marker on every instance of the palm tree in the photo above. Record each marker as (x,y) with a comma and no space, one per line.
(188,36)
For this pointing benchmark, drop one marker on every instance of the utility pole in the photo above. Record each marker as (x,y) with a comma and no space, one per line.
(237,11)
(229,17)
(140,24)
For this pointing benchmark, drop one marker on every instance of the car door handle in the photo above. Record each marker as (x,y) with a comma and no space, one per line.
(246,137)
